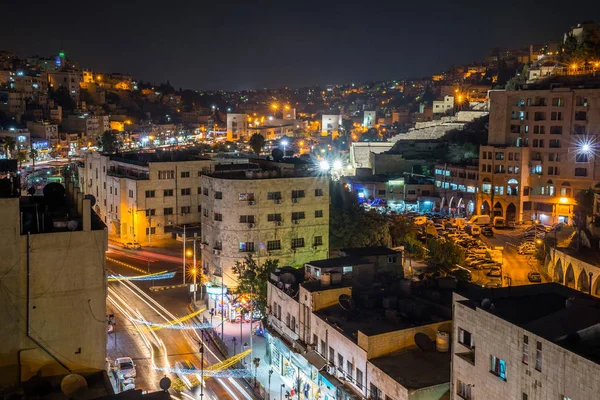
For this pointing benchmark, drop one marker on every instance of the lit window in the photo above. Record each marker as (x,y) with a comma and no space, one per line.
(498,367)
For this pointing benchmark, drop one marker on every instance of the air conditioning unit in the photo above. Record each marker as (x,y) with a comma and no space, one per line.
(216,252)
(278,223)
(251,202)
(201,246)
(250,225)
(295,200)
(277,201)
(295,221)
(331,370)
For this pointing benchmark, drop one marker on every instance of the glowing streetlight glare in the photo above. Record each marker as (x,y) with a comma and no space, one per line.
(586,148)
(274,106)
(284,142)
(189,253)
(337,164)
(564,200)
(323,165)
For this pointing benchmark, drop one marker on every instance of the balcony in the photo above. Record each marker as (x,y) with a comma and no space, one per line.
(468,356)
(279,327)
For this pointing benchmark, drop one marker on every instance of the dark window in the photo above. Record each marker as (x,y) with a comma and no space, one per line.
(150,193)
(273,217)
(274,196)
(186,191)
(274,245)
(580,115)
(186,209)
(465,338)
(150,212)
(205,191)
(151,231)
(538,356)
(298,215)
(556,130)
(557,102)
(218,195)
(247,219)
(318,241)
(296,194)
(247,246)
(298,242)
(318,192)
(581,157)
(579,130)
(525,349)
(580,171)
(556,116)
(199,190)
(168,211)
(318,213)
(185,174)
(554,144)
(218,217)
(131,194)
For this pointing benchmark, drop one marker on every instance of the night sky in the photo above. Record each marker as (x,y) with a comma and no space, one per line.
(248,44)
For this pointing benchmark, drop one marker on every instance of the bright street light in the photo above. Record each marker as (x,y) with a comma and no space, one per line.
(337,164)
(323,165)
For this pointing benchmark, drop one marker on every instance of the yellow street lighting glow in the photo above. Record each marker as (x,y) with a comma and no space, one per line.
(564,200)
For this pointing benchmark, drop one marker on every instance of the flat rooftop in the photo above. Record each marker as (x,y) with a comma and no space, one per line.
(552,311)
(374,321)
(414,368)
(369,251)
(264,173)
(147,157)
(337,262)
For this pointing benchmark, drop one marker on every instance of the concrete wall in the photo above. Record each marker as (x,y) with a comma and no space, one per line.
(231,232)
(68,299)
(360,152)
(563,372)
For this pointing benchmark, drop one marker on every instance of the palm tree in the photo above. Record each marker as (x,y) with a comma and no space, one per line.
(257,141)
(21,156)
(33,153)
(9,146)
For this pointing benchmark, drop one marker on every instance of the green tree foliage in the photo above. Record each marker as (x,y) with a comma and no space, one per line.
(33,155)
(445,255)
(109,141)
(9,144)
(584,208)
(21,156)
(277,154)
(252,278)
(257,142)
(351,226)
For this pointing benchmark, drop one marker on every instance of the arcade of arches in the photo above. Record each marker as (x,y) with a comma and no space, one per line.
(572,272)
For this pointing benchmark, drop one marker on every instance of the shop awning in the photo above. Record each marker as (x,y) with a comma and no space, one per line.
(347,390)
(315,359)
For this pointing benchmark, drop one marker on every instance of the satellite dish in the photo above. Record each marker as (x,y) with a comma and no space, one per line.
(346,302)
(287,278)
(92,199)
(54,194)
(280,285)
(486,303)
(165,383)
(72,225)
(74,386)
(423,342)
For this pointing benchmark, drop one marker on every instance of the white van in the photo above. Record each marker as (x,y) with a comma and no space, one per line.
(479,220)
(473,230)
(499,222)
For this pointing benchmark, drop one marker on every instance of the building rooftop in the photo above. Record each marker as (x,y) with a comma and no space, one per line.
(265,173)
(554,82)
(411,312)
(144,158)
(337,262)
(414,368)
(369,251)
(555,312)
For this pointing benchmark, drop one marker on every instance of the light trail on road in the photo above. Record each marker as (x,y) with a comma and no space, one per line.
(162,312)
(149,277)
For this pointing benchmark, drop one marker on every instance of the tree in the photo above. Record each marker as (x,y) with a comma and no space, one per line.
(252,279)
(21,156)
(9,146)
(33,154)
(257,142)
(109,141)
(445,255)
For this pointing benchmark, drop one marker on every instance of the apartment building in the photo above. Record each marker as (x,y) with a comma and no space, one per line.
(457,186)
(141,196)
(331,124)
(532,342)
(237,127)
(281,214)
(541,151)
(68,79)
(317,336)
(92,126)
(54,284)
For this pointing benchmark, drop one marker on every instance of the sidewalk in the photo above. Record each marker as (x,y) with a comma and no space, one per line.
(241,333)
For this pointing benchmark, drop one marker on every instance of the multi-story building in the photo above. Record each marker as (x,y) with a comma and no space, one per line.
(330,125)
(92,126)
(282,215)
(444,106)
(369,118)
(44,129)
(141,197)
(54,284)
(541,151)
(346,347)
(457,186)
(532,342)
(237,127)
(68,79)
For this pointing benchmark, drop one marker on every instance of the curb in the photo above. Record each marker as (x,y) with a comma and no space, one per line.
(126,265)
(159,288)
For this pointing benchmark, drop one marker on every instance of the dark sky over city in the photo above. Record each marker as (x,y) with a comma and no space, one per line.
(254,44)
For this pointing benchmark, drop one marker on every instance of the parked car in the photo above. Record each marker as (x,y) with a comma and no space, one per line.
(132,245)
(479,220)
(495,272)
(125,367)
(511,225)
(487,231)
(489,264)
(498,222)
(527,249)
(534,277)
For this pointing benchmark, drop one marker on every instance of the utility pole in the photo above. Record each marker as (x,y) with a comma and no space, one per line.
(184,254)
(195,268)
(202,370)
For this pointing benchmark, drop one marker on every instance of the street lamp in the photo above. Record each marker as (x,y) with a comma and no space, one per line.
(284,143)
(269,387)
(202,370)
(281,391)
(256,362)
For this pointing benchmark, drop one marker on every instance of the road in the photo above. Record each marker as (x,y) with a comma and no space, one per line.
(157,347)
